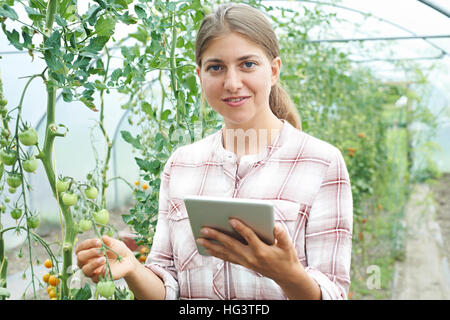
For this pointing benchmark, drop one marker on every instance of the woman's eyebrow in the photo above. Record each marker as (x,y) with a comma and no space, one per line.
(250,56)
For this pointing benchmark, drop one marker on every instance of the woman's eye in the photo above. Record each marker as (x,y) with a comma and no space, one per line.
(213,68)
(249,64)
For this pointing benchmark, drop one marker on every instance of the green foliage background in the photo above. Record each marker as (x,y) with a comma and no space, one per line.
(339,101)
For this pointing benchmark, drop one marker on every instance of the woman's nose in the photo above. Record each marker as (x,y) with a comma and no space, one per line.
(232,81)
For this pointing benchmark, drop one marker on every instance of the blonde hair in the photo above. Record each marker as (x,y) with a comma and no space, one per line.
(253,25)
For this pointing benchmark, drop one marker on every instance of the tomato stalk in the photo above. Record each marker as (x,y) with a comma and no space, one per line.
(46,156)
(108,140)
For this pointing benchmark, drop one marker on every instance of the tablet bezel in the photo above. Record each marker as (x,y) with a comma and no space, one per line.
(215,212)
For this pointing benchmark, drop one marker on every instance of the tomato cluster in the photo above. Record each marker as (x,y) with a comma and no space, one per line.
(13,160)
(52,280)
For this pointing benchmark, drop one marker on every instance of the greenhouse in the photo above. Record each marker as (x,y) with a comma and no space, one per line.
(96,98)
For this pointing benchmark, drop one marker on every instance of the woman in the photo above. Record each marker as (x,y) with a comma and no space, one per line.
(260,153)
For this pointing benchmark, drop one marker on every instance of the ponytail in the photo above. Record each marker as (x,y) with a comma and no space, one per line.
(283,107)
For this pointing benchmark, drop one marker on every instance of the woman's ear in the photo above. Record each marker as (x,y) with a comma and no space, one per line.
(197,69)
(276,68)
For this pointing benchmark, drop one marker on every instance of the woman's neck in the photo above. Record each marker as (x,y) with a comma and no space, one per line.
(251,139)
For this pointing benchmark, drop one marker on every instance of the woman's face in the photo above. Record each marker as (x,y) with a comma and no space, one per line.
(236,78)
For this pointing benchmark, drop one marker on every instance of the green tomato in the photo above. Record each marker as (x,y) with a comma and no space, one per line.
(33,222)
(62,186)
(28,137)
(106,288)
(16,213)
(8,156)
(130,295)
(69,199)
(14,180)
(91,193)
(85,224)
(12,190)
(30,165)
(3,102)
(101,217)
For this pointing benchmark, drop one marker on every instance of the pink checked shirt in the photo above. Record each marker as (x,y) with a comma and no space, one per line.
(308,183)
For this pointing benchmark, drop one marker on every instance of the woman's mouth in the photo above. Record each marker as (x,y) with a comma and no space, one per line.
(235,101)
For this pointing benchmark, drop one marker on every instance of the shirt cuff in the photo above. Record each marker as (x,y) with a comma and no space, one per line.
(171,285)
(329,289)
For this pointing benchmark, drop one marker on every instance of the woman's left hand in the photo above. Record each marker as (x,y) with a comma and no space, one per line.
(278,261)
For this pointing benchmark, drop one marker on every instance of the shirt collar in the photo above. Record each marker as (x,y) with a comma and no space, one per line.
(222,154)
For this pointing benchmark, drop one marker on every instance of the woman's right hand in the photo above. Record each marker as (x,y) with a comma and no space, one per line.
(91,260)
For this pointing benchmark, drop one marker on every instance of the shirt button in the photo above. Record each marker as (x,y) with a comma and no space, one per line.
(178,214)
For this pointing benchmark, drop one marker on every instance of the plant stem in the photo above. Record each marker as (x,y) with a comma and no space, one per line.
(108,141)
(46,157)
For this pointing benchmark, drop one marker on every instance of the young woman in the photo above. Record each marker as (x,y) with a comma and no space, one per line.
(260,153)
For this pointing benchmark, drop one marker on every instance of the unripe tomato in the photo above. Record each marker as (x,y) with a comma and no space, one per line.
(29,137)
(30,165)
(53,280)
(52,293)
(85,224)
(69,199)
(62,186)
(106,288)
(101,217)
(48,263)
(33,222)
(45,277)
(12,190)
(91,193)
(8,156)
(14,180)
(130,295)
(16,213)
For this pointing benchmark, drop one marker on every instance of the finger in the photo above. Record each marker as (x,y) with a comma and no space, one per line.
(225,240)
(281,236)
(218,250)
(88,244)
(89,268)
(85,256)
(100,271)
(247,233)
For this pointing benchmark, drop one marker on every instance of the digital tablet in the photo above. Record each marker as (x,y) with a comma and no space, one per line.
(215,212)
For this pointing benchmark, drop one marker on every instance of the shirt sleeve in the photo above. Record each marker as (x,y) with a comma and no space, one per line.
(160,260)
(328,234)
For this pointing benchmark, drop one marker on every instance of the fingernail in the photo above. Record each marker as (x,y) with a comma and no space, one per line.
(101,259)
(200,241)
(204,231)
(233,223)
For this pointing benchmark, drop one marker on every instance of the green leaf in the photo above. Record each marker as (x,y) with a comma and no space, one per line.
(8,12)
(165,115)
(144,165)
(34,14)
(92,14)
(67,95)
(116,74)
(13,37)
(96,44)
(140,12)
(105,26)
(147,108)
(89,104)
(82,293)
(135,142)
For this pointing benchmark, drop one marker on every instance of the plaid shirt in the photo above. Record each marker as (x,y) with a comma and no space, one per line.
(308,183)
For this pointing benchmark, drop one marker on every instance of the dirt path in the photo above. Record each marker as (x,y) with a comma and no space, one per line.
(424,274)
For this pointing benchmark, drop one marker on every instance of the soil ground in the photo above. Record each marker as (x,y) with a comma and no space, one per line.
(424,274)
